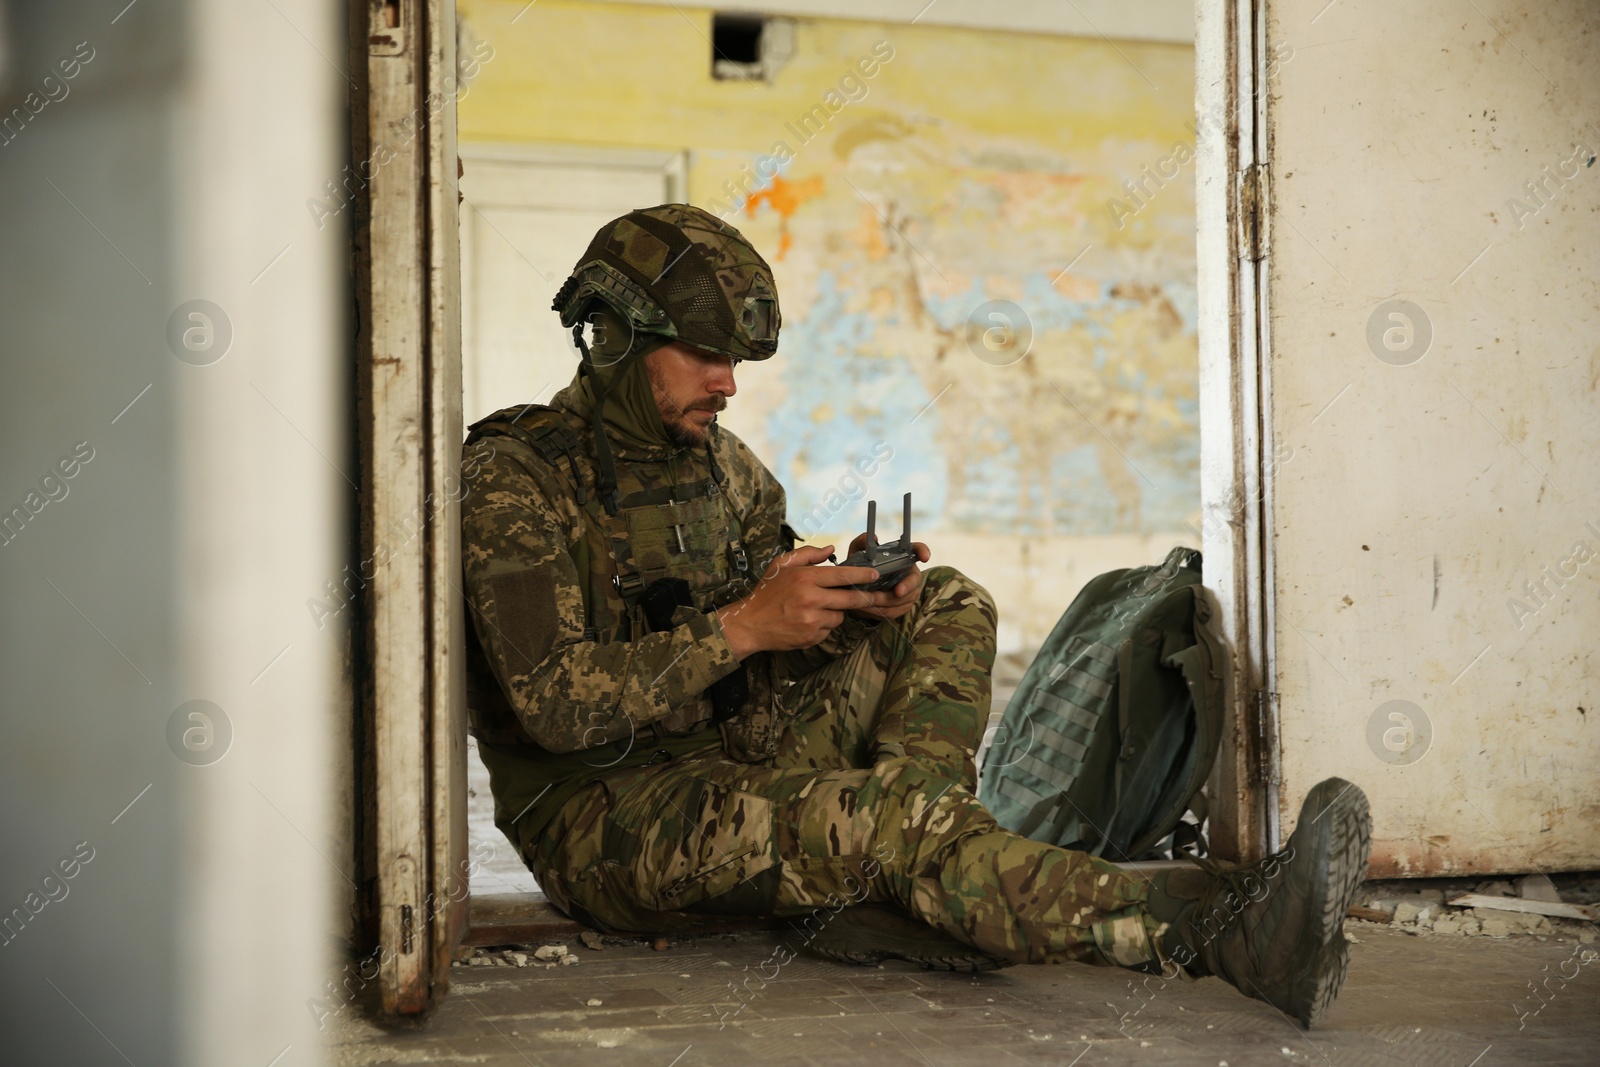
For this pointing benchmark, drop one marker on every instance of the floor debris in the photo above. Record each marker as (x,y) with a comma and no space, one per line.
(1533,906)
(1538,887)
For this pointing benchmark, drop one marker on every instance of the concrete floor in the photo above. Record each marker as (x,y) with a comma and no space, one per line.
(1410,999)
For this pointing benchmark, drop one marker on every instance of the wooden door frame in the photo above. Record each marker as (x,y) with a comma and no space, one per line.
(1237,456)
(409,375)
(1236,452)
(402,182)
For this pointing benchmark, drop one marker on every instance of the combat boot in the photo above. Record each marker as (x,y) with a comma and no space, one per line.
(868,934)
(1275,929)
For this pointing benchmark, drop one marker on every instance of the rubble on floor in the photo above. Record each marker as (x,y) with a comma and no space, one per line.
(547,956)
(1424,907)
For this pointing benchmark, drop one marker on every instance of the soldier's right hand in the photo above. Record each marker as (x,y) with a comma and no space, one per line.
(796,604)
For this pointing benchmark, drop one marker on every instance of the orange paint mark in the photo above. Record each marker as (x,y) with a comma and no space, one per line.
(869,233)
(785,198)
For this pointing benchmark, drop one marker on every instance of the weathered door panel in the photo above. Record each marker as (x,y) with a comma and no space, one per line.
(1430,324)
(411,434)
(447,726)
(1233,451)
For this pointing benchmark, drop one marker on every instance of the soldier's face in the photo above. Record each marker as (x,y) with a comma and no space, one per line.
(691,385)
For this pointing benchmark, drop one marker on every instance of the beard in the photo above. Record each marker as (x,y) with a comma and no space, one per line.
(681,431)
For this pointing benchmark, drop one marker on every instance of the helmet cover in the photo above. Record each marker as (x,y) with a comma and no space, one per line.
(681,273)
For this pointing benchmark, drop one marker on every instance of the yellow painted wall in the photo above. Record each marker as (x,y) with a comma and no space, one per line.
(617,74)
(970,166)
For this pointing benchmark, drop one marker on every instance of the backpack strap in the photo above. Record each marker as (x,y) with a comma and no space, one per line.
(553,441)
(1205,666)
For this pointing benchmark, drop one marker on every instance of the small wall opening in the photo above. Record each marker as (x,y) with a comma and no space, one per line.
(736,46)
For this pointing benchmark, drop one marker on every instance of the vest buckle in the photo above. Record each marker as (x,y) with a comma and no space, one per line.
(628,587)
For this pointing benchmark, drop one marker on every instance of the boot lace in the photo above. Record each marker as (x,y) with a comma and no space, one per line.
(1233,888)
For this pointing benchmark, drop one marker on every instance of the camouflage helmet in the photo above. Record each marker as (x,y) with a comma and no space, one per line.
(681,273)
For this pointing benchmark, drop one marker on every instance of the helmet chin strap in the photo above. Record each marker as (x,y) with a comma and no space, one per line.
(605,464)
(711,455)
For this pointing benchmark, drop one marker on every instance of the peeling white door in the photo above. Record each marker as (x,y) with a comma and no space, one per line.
(414,789)
(1429,330)
(528,215)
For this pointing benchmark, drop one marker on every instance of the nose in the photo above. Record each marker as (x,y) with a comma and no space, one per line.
(721,380)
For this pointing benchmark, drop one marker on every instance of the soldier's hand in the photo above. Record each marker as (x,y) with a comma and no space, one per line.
(796,604)
(892,603)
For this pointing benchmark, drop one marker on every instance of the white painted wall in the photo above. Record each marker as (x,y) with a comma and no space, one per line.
(1420,498)
(176,166)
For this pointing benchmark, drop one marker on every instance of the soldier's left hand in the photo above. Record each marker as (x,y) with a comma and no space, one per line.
(891,603)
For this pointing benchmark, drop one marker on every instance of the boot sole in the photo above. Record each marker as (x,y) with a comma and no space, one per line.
(1343,826)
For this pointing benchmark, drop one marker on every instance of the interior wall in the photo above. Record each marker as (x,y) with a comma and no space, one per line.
(1434,309)
(935,202)
(172,473)
(1172,21)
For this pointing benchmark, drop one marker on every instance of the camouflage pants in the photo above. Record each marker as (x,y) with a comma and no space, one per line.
(871,798)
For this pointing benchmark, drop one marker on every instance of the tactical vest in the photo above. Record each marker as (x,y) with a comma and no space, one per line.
(658,529)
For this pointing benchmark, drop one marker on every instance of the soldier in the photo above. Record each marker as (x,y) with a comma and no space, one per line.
(685,716)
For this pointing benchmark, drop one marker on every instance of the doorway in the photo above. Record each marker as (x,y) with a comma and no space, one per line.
(988,300)
(860,194)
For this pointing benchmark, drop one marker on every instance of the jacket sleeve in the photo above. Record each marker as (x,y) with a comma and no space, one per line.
(525,597)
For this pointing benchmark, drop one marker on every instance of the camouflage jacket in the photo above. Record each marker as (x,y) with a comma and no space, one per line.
(564,682)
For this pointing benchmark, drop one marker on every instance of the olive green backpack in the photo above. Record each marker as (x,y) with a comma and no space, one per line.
(1115,726)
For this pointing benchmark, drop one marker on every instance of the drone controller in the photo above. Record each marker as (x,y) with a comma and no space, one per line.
(891,560)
